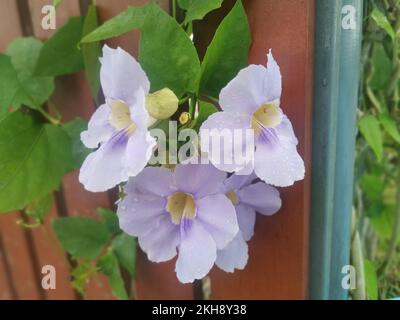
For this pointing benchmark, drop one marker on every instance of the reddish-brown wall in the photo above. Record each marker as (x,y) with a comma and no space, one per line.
(279,251)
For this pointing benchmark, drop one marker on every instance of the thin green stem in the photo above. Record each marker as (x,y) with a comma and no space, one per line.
(174,9)
(50,118)
(183,100)
(395,233)
(215,100)
(357,260)
(374,100)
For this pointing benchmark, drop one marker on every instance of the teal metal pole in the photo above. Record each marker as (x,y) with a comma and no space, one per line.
(326,90)
(350,51)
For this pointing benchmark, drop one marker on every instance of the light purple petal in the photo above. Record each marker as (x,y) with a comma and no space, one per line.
(218,216)
(263,198)
(160,244)
(140,214)
(285,131)
(278,164)
(198,179)
(234,256)
(273,80)
(137,109)
(138,152)
(245,92)
(235,181)
(152,180)
(116,160)
(103,168)
(197,254)
(121,75)
(99,129)
(246,217)
(223,154)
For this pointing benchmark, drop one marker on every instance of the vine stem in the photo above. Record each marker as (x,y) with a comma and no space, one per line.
(395,233)
(357,260)
(50,118)
(174,9)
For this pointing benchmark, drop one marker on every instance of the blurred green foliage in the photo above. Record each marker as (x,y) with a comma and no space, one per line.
(377,181)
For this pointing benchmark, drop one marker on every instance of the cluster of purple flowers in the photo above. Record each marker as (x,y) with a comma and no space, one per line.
(203,213)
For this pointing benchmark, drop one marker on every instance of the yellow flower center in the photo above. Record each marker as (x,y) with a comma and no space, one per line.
(181,205)
(233,197)
(120,117)
(267,116)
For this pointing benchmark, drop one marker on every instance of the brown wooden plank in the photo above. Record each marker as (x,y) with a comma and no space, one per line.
(9,21)
(277,267)
(19,257)
(49,252)
(7,289)
(63,12)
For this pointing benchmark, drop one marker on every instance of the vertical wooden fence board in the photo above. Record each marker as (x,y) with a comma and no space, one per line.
(64,11)
(154,281)
(7,289)
(49,252)
(16,249)
(24,273)
(9,13)
(278,252)
(9,22)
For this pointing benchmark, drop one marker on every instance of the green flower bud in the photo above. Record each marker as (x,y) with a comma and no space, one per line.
(162,104)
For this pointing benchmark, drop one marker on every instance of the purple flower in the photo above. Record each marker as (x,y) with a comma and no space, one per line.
(182,209)
(248,197)
(251,101)
(119,126)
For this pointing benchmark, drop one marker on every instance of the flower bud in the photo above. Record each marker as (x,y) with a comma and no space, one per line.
(184,118)
(162,104)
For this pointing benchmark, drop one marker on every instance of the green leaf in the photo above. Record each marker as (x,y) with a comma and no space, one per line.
(374,209)
(382,21)
(371,280)
(124,247)
(38,209)
(205,110)
(79,151)
(33,90)
(60,54)
(81,276)
(110,218)
(383,223)
(381,68)
(82,237)
(8,83)
(370,129)
(372,185)
(56,3)
(34,158)
(196,10)
(227,53)
(390,126)
(167,54)
(91,52)
(108,264)
(131,18)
